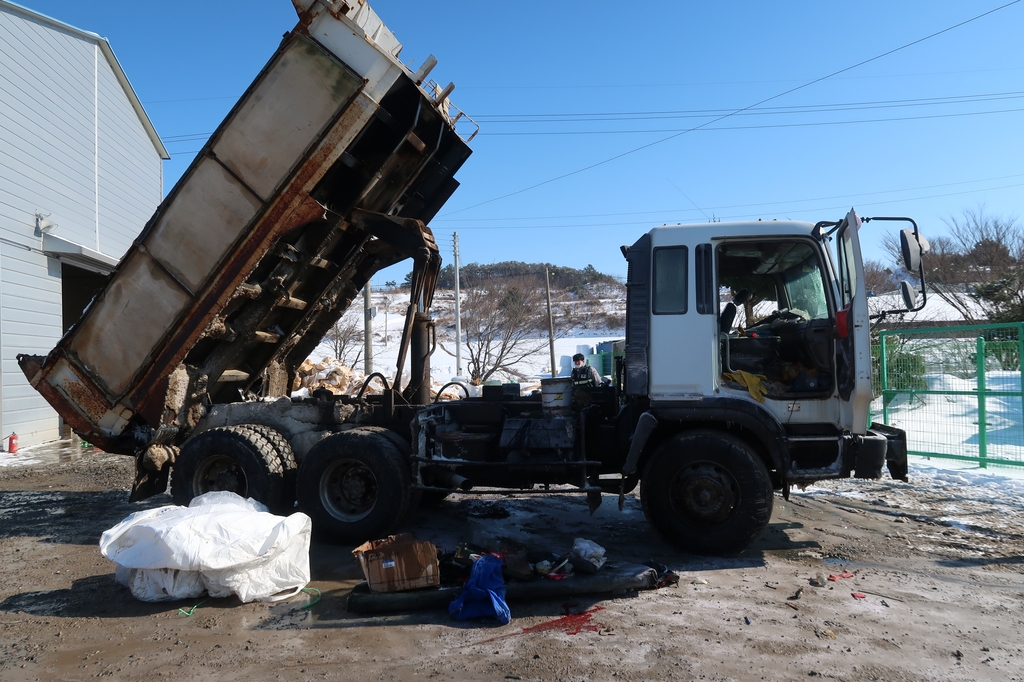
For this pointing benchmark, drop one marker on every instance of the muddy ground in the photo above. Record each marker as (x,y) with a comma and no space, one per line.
(943,601)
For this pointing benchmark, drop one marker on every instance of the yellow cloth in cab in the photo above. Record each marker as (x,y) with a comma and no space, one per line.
(752,382)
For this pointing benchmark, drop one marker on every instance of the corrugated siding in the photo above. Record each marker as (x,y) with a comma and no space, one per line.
(30,322)
(51,84)
(47,126)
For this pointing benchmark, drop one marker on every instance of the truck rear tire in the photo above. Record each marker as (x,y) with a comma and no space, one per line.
(707,492)
(355,486)
(289,465)
(231,458)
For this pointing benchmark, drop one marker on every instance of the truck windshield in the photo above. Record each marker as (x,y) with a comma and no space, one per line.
(775,319)
(805,289)
(773,275)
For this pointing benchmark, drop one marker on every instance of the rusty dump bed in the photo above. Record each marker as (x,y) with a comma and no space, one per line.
(324,172)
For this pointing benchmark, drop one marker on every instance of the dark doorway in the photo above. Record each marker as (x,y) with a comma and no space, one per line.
(78,286)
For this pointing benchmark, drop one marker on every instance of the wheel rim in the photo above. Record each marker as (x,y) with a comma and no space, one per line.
(220,472)
(705,493)
(348,490)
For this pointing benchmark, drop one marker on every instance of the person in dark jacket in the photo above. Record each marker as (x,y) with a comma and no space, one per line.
(583,374)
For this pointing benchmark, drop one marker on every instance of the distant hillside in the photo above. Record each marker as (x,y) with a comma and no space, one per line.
(563,278)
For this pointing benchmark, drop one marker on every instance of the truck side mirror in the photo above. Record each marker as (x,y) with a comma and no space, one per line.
(909,295)
(912,248)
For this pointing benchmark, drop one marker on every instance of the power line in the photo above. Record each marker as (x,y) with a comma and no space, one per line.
(596,86)
(704,129)
(603,86)
(737,206)
(760,111)
(755,104)
(704,113)
(652,131)
(819,209)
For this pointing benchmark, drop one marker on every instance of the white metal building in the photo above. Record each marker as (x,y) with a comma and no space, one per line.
(80,174)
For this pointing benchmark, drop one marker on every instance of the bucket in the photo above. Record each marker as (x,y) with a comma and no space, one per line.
(556,396)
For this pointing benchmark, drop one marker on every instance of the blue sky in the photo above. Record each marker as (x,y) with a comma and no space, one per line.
(927,131)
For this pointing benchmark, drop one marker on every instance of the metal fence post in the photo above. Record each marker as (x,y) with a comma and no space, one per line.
(982,433)
(883,372)
(1020,365)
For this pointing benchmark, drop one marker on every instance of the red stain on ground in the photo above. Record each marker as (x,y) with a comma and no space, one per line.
(571,624)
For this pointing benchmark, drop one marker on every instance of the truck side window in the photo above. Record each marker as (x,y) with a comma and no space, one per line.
(704,276)
(669,277)
(847,280)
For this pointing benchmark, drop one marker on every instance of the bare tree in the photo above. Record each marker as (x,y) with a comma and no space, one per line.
(877,278)
(978,269)
(345,338)
(502,319)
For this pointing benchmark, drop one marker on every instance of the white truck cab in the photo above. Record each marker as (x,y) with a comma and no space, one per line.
(765,315)
(748,343)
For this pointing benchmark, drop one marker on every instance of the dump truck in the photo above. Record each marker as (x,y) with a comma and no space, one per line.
(327,170)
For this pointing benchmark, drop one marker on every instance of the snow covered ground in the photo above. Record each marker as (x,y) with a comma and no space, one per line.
(387,335)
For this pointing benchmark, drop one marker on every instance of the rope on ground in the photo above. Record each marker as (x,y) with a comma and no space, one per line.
(318,595)
(189,612)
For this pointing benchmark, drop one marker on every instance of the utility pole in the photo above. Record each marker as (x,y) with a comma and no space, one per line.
(367,331)
(458,316)
(551,322)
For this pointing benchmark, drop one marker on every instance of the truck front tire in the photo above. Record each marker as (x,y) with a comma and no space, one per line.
(707,492)
(232,458)
(355,486)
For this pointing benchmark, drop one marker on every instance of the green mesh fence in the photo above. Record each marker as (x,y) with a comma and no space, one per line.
(956,391)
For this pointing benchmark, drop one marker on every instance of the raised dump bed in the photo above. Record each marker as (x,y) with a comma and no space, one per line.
(324,172)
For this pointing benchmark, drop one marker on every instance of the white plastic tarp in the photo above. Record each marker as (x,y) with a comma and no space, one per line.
(220,544)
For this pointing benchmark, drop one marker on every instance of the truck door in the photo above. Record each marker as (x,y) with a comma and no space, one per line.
(853,345)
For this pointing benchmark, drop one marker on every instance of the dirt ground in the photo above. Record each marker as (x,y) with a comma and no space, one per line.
(943,601)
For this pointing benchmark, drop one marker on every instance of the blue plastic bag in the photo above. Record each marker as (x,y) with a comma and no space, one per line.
(484,594)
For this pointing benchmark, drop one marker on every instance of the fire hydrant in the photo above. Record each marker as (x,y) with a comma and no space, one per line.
(12,443)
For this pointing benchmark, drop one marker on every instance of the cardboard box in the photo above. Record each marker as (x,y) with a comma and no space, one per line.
(398,563)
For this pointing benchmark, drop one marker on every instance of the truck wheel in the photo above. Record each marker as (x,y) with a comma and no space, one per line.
(355,485)
(229,458)
(707,493)
(286,455)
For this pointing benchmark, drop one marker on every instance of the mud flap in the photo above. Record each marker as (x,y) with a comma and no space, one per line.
(870,452)
(148,482)
(896,450)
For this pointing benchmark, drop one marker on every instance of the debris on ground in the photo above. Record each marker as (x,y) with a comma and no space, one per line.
(588,556)
(480,509)
(525,574)
(331,374)
(398,563)
(484,594)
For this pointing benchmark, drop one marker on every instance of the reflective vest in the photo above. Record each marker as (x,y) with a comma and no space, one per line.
(585,376)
